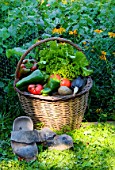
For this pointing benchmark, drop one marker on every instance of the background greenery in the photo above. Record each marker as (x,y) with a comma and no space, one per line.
(23,22)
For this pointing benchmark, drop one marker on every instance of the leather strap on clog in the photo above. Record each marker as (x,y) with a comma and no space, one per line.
(25,136)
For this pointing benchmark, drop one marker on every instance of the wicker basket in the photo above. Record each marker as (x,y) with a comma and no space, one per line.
(54,112)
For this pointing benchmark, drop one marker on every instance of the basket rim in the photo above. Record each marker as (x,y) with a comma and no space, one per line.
(85,89)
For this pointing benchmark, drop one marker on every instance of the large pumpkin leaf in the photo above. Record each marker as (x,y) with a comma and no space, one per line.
(81,59)
(86,72)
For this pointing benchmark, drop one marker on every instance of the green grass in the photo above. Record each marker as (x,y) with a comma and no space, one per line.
(94,148)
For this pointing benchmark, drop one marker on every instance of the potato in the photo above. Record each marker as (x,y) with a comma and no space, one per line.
(64,90)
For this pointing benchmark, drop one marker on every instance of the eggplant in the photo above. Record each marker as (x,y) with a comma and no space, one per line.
(77,84)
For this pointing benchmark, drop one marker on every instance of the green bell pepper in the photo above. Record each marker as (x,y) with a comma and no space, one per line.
(35,77)
(51,86)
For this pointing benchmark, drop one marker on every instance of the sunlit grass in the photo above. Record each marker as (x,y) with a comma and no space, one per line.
(93,149)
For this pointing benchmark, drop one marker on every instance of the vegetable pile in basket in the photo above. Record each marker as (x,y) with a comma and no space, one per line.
(58,70)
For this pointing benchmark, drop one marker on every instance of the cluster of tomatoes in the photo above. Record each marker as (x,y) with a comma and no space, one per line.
(37,88)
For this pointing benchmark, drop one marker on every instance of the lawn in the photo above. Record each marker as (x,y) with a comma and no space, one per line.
(94,148)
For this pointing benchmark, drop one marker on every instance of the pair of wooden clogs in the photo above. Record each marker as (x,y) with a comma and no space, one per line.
(24,138)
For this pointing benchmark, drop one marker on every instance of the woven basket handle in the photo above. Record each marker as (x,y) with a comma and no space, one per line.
(41,42)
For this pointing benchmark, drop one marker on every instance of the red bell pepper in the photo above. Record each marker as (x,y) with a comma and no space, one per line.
(27,66)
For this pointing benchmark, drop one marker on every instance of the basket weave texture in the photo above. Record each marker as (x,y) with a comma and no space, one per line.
(54,112)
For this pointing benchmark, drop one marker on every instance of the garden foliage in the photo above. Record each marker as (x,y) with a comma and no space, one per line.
(88,23)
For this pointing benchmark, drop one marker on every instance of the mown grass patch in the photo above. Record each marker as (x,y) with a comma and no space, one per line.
(94,148)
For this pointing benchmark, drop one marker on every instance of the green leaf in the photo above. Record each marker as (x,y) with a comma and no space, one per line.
(12,30)
(15,51)
(74,17)
(5,7)
(42,62)
(81,59)
(86,164)
(4,33)
(75,27)
(86,72)
(45,35)
(1,50)
(1,84)
(28,65)
(6,89)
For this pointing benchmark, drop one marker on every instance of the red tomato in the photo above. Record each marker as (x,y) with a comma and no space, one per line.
(34,67)
(35,88)
(22,66)
(55,76)
(65,82)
